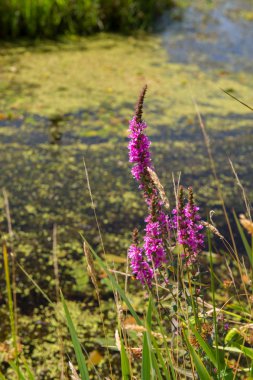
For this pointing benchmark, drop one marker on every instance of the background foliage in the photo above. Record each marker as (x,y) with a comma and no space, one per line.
(49,18)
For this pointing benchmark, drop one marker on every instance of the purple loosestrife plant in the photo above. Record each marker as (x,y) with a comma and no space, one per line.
(156,247)
(156,222)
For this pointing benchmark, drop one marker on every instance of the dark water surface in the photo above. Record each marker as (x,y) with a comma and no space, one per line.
(217,34)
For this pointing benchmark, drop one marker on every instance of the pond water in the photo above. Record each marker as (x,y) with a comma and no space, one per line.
(72,100)
(217,34)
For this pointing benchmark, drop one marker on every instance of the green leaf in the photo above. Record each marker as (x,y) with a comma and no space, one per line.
(155,370)
(148,340)
(244,240)
(146,365)
(234,337)
(168,355)
(28,370)
(125,368)
(247,351)
(17,370)
(77,347)
(161,359)
(206,348)
(149,313)
(200,368)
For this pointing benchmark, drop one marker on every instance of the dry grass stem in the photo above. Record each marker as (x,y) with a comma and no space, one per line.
(90,266)
(213,229)
(159,187)
(140,329)
(74,375)
(247,224)
(117,340)
(246,201)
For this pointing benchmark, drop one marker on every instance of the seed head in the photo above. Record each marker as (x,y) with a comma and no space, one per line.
(139,105)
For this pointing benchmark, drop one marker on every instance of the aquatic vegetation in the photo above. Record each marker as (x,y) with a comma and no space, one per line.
(181,302)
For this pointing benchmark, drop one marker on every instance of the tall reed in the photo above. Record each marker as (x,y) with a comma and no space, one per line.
(50,18)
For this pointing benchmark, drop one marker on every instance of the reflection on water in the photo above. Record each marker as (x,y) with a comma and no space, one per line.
(219,35)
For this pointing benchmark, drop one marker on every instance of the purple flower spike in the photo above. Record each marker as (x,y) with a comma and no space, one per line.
(187,222)
(153,243)
(157,222)
(140,268)
(139,149)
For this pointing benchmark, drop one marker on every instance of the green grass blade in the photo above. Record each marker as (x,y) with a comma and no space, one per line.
(217,352)
(161,360)
(146,357)
(200,368)
(17,370)
(125,368)
(153,342)
(247,351)
(11,309)
(28,370)
(77,347)
(168,356)
(116,286)
(155,370)
(2,377)
(9,297)
(149,313)
(244,240)
(206,348)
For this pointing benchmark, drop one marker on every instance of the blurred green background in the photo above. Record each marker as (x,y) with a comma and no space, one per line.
(51,18)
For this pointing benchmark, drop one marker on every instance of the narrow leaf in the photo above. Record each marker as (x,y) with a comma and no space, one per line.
(125,368)
(247,351)
(145,367)
(17,370)
(200,368)
(244,240)
(206,348)
(77,347)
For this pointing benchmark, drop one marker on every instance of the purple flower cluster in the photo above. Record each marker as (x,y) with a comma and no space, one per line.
(153,242)
(187,223)
(139,149)
(140,268)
